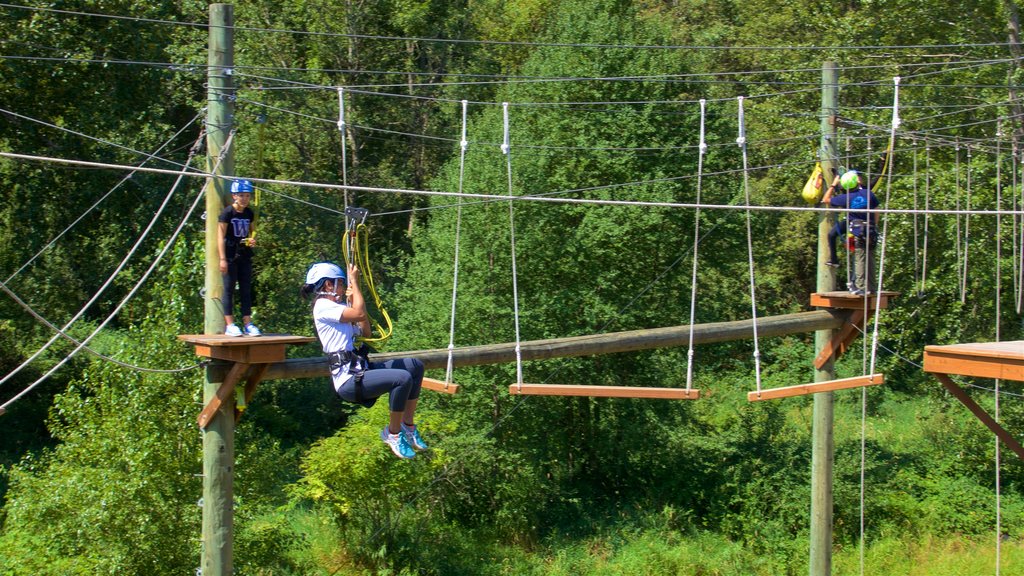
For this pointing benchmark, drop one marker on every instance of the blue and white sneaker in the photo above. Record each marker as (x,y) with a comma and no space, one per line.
(252,330)
(413,438)
(397,443)
(232,330)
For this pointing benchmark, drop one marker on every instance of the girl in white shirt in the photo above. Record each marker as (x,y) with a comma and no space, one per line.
(339,313)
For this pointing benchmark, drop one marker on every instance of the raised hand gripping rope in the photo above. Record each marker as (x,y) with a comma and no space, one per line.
(355,247)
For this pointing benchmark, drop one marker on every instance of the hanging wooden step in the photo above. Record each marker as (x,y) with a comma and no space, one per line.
(603,391)
(440,386)
(827,386)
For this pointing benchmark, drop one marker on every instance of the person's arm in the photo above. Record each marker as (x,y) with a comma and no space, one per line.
(222,228)
(828,193)
(355,312)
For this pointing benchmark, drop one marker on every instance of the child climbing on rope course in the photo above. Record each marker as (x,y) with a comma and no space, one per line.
(339,314)
(236,240)
(860,224)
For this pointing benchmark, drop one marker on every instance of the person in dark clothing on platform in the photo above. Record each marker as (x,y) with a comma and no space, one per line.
(236,240)
(860,223)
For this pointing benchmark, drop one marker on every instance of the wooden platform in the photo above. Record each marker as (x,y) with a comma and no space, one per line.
(249,357)
(1002,360)
(843,299)
(248,349)
(603,391)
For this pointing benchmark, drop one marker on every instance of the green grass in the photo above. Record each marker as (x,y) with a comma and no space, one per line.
(932,556)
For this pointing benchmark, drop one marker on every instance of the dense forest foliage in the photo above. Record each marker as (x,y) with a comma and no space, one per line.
(101,462)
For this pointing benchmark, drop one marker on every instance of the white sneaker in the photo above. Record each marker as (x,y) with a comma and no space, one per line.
(252,330)
(232,330)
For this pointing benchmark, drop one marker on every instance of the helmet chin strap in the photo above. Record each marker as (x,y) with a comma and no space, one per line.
(334,293)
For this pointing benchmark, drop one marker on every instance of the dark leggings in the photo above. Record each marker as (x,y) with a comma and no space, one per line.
(402,378)
(240,271)
(838,230)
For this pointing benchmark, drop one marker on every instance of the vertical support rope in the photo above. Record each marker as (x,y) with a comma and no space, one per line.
(917,246)
(463,144)
(999,256)
(506,149)
(878,291)
(927,207)
(967,230)
(885,219)
(1020,244)
(702,149)
(342,129)
(741,140)
(956,196)
(1013,223)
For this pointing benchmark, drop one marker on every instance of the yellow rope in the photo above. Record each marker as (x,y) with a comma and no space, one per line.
(360,250)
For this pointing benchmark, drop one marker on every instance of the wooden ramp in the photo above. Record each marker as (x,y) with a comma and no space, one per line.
(603,391)
(1002,360)
(814,388)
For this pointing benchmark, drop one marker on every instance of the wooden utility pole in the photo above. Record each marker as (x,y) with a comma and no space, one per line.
(219,434)
(822,446)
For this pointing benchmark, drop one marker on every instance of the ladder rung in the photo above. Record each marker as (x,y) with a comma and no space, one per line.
(827,386)
(603,391)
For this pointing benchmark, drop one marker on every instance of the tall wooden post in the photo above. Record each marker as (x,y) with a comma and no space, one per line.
(219,434)
(822,447)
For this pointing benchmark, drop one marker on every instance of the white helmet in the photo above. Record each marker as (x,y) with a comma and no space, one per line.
(322,270)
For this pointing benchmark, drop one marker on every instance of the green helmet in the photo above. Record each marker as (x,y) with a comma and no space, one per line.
(849,180)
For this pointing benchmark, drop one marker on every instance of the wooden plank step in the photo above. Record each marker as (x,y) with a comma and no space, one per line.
(827,386)
(603,391)
(440,386)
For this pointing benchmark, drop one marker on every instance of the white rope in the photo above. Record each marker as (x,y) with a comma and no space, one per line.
(42,320)
(998,282)
(927,206)
(967,231)
(1019,257)
(877,319)
(117,270)
(702,148)
(917,246)
(506,149)
(344,146)
(741,140)
(1014,260)
(885,219)
(463,144)
(956,196)
(544,197)
(131,293)
(104,197)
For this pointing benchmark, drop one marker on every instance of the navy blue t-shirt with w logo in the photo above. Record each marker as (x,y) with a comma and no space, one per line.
(238,227)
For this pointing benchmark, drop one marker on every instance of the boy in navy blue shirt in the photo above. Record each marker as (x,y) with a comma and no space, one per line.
(860,222)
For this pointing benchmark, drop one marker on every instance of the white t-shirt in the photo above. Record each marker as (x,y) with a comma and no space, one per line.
(335,335)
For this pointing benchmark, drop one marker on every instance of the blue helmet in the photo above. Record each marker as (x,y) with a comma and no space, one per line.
(242,186)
